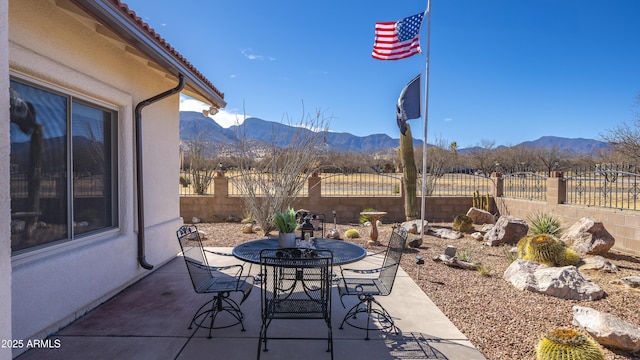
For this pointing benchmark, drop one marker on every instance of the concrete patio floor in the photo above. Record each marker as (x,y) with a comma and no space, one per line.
(149,320)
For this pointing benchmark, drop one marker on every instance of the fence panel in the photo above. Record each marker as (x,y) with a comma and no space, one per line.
(196,183)
(606,185)
(525,185)
(264,184)
(361,184)
(455,184)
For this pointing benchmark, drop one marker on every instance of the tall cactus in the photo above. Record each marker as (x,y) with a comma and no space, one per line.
(410,174)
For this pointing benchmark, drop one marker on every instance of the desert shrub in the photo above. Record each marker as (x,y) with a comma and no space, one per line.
(544,223)
(364,218)
(464,255)
(462,223)
(352,234)
(484,270)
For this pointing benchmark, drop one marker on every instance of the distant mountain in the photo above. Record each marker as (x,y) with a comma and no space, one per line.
(577,145)
(194,125)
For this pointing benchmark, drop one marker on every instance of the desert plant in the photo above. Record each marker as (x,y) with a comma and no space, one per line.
(352,234)
(510,254)
(410,174)
(365,218)
(285,221)
(568,344)
(484,270)
(464,255)
(481,202)
(273,174)
(462,223)
(546,249)
(544,223)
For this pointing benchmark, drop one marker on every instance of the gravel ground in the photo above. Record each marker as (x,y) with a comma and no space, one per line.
(500,320)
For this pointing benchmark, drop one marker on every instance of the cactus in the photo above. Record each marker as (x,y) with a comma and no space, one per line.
(462,223)
(546,249)
(410,175)
(352,234)
(568,344)
(481,202)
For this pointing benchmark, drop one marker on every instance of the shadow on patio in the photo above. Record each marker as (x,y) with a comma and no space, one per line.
(149,320)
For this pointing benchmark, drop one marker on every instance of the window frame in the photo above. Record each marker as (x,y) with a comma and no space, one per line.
(72,238)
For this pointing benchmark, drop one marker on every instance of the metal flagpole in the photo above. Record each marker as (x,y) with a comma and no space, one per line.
(426,121)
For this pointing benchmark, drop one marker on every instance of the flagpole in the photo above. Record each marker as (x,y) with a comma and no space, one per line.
(426,122)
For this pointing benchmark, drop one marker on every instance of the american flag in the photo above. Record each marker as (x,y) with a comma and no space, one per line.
(397,40)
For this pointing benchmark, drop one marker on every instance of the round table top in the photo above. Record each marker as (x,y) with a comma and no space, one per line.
(343,252)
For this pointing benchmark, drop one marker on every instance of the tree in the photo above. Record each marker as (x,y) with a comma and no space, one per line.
(625,138)
(198,154)
(271,176)
(483,157)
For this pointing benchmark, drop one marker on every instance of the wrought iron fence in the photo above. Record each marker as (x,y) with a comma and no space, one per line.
(196,183)
(605,185)
(525,185)
(266,183)
(455,183)
(361,184)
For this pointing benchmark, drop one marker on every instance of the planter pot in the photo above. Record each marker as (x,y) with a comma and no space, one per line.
(287,240)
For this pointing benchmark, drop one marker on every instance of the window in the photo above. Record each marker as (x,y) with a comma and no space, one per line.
(63,167)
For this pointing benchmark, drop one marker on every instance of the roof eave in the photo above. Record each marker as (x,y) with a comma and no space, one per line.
(113,17)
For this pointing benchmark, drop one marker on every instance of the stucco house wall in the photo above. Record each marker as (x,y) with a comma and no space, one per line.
(50,44)
(5,244)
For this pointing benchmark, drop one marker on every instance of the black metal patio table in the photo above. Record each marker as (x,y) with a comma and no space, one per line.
(343,252)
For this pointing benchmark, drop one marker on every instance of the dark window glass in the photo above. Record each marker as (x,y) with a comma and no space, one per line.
(57,194)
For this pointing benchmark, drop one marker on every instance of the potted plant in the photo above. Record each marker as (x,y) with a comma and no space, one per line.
(286,224)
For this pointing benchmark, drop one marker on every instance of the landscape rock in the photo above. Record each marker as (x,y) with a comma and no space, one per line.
(195,220)
(607,329)
(450,251)
(480,216)
(415,243)
(486,227)
(334,234)
(203,235)
(562,282)
(477,236)
(233,218)
(446,234)
(588,236)
(632,282)
(247,228)
(598,263)
(507,230)
(414,226)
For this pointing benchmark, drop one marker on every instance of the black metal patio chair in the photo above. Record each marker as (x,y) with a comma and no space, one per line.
(367,288)
(296,285)
(217,280)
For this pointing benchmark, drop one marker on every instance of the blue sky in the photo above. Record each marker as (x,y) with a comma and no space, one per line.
(500,70)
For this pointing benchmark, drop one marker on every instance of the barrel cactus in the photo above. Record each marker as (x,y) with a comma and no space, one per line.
(352,234)
(546,249)
(462,223)
(568,344)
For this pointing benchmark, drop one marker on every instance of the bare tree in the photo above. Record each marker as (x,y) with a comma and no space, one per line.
(273,183)
(483,157)
(199,153)
(625,138)
(439,156)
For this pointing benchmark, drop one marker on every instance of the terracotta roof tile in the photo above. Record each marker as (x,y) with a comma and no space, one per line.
(144,26)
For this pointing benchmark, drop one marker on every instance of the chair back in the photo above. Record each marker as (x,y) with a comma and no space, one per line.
(296,283)
(392,258)
(194,256)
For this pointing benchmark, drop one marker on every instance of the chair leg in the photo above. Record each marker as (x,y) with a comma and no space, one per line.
(212,308)
(369,305)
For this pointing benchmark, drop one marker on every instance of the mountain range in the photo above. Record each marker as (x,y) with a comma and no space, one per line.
(195,126)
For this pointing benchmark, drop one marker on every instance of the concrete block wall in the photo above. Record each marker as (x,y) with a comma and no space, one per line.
(624,225)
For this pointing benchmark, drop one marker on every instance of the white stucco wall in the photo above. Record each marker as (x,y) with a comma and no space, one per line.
(5,202)
(53,286)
